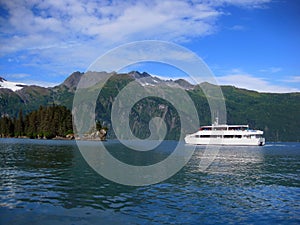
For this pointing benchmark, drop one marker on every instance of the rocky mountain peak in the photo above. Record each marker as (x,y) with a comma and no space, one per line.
(72,81)
(138,75)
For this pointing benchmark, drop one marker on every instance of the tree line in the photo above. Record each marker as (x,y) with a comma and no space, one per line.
(46,122)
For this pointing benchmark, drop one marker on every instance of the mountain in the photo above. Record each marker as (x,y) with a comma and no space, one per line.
(276,114)
(72,81)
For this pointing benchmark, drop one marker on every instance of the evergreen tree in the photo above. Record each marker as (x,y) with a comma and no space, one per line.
(46,122)
(19,125)
(31,125)
(6,127)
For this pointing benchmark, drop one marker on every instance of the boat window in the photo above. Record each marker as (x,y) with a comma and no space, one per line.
(228,136)
(238,128)
(232,136)
(211,136)
(225,136)
(220,128)
(205,136)
(255,136)
(205,128)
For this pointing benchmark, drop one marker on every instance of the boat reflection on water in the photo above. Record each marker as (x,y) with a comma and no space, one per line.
(229,159)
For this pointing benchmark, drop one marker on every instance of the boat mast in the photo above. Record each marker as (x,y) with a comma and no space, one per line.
(215,116)
(216,121)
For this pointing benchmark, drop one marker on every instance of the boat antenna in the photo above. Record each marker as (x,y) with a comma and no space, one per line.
(215,118)
(216,121)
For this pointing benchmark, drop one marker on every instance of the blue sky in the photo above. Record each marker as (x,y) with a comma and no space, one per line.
(253,44)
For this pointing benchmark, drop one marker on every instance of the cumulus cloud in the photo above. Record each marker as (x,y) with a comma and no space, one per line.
(45,24)
(56,35)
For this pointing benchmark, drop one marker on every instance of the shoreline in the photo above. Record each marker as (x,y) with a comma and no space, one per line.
(98,139)
(55,139)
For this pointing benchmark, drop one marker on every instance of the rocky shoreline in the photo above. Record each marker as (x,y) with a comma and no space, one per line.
(95,136)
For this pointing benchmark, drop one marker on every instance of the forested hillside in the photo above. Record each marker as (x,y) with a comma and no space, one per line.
(46,122)
(276,114)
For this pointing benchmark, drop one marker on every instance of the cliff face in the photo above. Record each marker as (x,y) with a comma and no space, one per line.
(276,114)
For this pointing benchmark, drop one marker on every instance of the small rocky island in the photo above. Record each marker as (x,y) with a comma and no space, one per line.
(97,135)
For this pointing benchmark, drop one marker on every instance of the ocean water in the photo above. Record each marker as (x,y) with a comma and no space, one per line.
(49,182)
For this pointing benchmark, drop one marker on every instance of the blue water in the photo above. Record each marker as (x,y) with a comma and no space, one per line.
(48,182)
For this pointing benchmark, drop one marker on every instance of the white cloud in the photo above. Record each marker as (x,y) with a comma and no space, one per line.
(250,82)
(271,70)
(40,24)
(237,27)
(26,79)
(56,35)
(40,83)
(17,76)
(292,79)
(242,3)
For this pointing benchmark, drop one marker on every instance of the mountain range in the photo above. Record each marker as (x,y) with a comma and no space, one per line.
(276,114)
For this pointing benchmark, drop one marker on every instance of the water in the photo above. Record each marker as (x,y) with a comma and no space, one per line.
(48,182)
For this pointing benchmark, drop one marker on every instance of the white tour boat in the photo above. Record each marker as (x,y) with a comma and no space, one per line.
(226,135)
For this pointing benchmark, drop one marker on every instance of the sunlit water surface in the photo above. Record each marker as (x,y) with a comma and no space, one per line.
(48,182)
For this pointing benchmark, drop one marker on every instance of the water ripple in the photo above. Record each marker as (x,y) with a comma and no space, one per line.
(243,185)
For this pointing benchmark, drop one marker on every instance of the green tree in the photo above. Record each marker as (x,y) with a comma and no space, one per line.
(19,125)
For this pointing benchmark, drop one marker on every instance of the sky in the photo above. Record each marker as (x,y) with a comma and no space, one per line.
(252,44)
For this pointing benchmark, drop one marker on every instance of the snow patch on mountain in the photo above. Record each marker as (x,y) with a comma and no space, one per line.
(10,85)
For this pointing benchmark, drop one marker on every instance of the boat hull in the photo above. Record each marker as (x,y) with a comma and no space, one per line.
(224,141)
